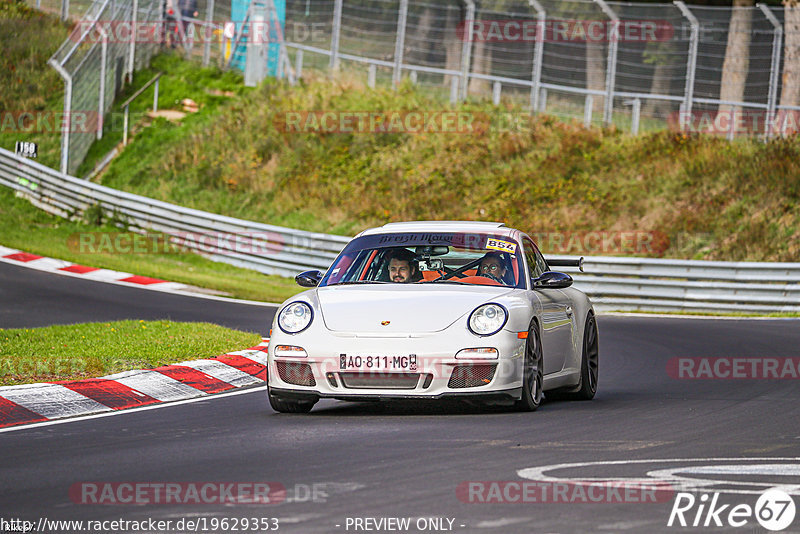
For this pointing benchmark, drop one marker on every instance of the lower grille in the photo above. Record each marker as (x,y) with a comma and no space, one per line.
(379,380)
(471,376)
(298,374)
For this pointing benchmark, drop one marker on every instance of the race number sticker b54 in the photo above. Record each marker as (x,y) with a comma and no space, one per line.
(503,246)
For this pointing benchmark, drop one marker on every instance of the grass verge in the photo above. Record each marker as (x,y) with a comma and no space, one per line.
(28,228)
(90,350)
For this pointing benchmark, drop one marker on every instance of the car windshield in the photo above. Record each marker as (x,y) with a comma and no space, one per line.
(428,258)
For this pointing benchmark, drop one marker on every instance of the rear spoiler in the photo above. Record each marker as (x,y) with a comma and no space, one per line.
(566,263)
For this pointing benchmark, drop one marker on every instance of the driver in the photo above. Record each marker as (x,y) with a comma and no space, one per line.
(492,266)
(403,267)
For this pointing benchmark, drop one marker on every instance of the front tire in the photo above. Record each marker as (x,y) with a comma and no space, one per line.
(284,405)
(532,374)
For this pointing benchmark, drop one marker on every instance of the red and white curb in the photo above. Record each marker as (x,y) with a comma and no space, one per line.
(41,263)
(34,403)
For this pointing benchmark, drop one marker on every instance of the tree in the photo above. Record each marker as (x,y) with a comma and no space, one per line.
(737,56)
(790,92)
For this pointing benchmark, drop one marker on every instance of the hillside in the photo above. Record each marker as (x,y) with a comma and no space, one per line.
(682,196)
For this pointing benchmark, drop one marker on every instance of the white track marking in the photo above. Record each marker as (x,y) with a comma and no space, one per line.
(755,466)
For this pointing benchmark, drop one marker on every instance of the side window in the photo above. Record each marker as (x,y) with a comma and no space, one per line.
(533,259)
(540,262)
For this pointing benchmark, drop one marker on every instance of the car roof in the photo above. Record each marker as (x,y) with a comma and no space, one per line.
(441,226)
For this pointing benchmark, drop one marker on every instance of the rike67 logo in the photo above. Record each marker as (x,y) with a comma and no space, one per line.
(774,510)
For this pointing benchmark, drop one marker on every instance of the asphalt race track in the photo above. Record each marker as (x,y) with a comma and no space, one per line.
(350,465)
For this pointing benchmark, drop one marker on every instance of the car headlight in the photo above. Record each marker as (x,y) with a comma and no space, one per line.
(487,319)
(295,317)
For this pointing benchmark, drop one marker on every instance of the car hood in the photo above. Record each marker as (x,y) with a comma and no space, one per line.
(405,309)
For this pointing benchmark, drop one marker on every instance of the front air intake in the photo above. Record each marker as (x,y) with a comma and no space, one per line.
(298,374)
(471,376)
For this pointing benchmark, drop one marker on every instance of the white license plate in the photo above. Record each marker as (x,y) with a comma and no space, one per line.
(349,362)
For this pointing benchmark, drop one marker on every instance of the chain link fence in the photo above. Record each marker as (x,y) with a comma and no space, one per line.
(94,63)
(640,66)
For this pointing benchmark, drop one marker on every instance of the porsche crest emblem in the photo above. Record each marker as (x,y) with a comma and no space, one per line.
(385,323)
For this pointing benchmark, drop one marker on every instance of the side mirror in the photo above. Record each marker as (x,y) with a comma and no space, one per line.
(308,278)
(552,280)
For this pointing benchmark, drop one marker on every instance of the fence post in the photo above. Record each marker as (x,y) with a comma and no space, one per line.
(611,67)
(64,10)
(588,106)
(775,65)
(209,29)
(497,90)
(132,48)
(691,66)
(637,113)
(103,63)
(155,95)
(543,100)
(335,36)
(400,43)
(372,75)
(538,53)
(454,89)
(466,48)
(298,63)
(67,111)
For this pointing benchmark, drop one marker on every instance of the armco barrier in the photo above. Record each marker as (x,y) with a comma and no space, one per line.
(612,282)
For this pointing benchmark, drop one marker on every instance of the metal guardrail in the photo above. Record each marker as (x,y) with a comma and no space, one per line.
(612,282)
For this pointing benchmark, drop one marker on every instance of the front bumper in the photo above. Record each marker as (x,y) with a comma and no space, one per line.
(437,373)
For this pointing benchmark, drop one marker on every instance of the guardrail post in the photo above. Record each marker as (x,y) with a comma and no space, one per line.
(400,43)
(691,66)
(67,112)
(209,28)
(132,47)
(611,67)
(336,34)
(466,48)
(372,75)
(588,106)
(538,53)
(775,65)
(497,90)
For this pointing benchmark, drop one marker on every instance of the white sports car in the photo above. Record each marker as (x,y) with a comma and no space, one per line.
(426,310)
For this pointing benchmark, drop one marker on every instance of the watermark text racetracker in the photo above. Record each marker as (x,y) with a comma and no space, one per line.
(196,493)
(384,122)
(572,492)
(734,368)
(220,243)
